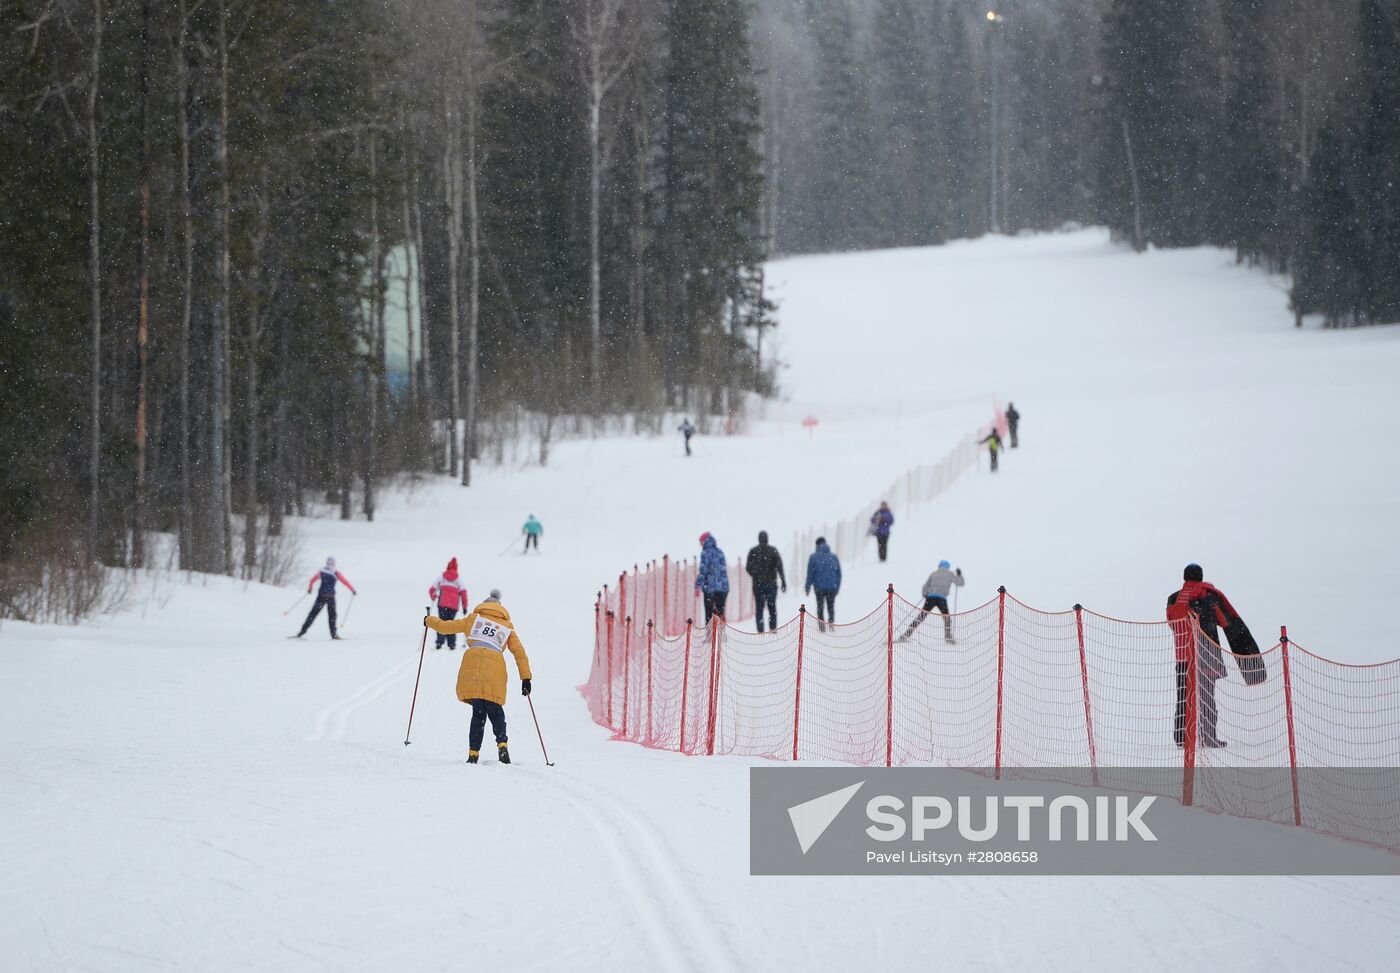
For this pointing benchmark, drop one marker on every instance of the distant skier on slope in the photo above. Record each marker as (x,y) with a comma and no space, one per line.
(936,590)
(325,598)
(765,566)
(880,523)
(1013,420)
(532,531)
(481,679)
(1213,612)
(712,578)
(993,441)
(687,430)
(450,595)
(824,575)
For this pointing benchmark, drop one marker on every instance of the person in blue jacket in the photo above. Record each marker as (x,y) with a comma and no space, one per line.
(824,575)
(880,523)
(712,579)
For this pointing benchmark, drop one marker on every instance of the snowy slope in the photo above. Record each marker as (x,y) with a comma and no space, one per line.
(182,788)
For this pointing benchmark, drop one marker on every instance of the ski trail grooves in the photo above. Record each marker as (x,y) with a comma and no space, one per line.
(333,721)
(647,867)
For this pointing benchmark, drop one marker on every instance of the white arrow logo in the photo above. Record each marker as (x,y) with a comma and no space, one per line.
(810,819)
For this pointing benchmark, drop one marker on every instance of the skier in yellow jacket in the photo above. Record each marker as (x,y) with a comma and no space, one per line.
(481,681)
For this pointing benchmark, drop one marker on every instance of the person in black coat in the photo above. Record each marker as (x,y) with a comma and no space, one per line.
(765,566)
(1013,420)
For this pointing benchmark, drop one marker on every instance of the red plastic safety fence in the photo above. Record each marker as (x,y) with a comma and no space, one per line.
(1008,686)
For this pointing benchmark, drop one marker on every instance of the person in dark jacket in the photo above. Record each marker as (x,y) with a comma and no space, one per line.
(824,575)
(687,430)
(936,590)
(712,578)
(880,523)
(1213,612)
(765,566)
(993,441)
(1013,419)
(325,597)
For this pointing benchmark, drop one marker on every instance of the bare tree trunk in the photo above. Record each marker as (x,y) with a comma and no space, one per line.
(251,338)
(452,187)
(376,328)
(1138,243)
(94,279)
(187,291)
(138,518)
(473,252)
(221,514)
(595,284)
(408,260)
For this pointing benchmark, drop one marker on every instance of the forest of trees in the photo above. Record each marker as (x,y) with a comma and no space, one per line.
(213,207)
(1271,127)
(203,197)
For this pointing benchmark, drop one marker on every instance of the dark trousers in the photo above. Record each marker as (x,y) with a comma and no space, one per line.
(1012,429)
(687,444)
(826,608)
(532,539)
(322,601)
(481,710)
(883,542)
(994,460)
(933,603)
(446,614)
(766,594)
(714,604)
(1205,710)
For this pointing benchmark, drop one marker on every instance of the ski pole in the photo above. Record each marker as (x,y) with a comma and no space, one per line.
(413,705)
(295,603)
(547,761)
(348,610)
(505,550)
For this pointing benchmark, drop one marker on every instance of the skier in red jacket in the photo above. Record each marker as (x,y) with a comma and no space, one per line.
(325,598)
(450,595)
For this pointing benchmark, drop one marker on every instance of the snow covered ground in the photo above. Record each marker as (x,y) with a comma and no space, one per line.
(183,788)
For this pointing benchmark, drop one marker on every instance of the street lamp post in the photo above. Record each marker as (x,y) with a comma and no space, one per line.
(995,20)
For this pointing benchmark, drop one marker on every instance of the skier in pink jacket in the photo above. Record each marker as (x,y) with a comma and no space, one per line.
(450,595)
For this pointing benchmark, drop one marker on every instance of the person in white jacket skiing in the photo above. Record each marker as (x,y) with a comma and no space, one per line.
(936,590)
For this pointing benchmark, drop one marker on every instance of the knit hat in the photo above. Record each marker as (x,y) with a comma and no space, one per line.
(763,537)
(1193,572)
(704,537)
(330,563)
(495,595)
(452,565)
(944,564)
(821,541)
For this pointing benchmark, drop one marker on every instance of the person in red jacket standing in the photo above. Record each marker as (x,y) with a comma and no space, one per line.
(325,598)
(450,595)
(1213,612)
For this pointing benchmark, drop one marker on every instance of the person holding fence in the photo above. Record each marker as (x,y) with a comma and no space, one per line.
(712,577)
(880,523)
(936,590)
(765,566)
(824,575)
(481,679)
(1212,611)
(450,595)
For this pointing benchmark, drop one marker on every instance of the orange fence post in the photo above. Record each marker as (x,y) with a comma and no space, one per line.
(889,678)
(685,679)
(1188,738)
(651,628)
(666,594)
(626,669)
(1292,739)
(610,676)
(797,699)
(715,624)
(1001,667)
(1084,678)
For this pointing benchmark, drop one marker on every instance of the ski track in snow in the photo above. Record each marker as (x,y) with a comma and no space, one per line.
(658,880)
(333,722)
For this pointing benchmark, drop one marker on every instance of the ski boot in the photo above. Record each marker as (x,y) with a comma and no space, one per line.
(502,753)
(472,756)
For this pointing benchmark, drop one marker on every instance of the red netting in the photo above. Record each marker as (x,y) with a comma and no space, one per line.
(1008,686)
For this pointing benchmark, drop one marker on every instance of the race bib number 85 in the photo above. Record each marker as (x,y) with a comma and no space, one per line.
(489,635)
